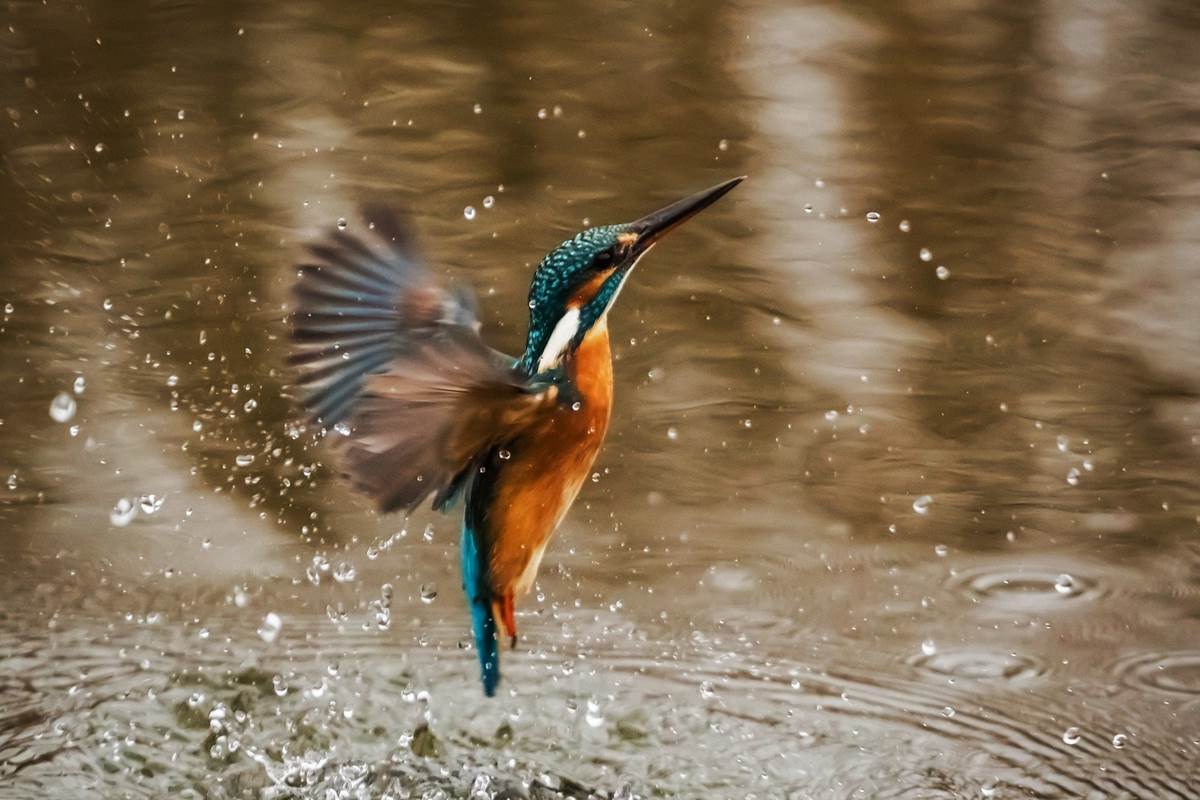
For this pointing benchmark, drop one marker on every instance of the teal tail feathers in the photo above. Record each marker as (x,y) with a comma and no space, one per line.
(479,597)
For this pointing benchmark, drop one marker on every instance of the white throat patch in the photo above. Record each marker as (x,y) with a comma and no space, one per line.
(559,341)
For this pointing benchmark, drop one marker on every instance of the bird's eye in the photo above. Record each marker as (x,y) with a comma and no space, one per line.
(603,259)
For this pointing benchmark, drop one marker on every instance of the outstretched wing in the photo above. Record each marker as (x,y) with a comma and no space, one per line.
(360,303)
(394,362)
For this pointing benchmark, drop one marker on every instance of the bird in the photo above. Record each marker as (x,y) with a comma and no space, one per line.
(389,362)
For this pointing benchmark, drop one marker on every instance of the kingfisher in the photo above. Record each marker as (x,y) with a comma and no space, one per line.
(391,363)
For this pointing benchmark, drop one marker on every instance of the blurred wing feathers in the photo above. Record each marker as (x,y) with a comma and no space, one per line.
(360,302)
(381,347)
(424,421)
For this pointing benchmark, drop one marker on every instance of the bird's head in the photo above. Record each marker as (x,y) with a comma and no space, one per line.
(578,281)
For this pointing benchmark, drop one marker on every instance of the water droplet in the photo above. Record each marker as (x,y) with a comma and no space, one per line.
(942,272)
(593,717)
(469,212)
(319,564)
(1071,736)
(244,459)
(504,455)
(1120,740)
(1073,476)
(831,414)
(489,201)
(181,114)
(542,113)
(925,254)
(921,504)
(478,109)
(723,145)
(428,593)
(344,572)
(172,380)
(122,513)
(9,308)
(1063,443)
(1064,584)
(707,690)
(62,407)
(342,224)
(673,433)
(271,625)
(940,550)
(80,384)
(928,647)
(99,148)
(873,216)
(250,405)
(151,503)
(904,226)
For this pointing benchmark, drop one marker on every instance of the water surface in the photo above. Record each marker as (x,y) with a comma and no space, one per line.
(900,499)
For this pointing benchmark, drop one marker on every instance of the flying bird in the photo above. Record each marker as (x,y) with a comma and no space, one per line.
(394,361)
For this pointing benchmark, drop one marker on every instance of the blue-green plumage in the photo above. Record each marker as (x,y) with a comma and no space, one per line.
(479,600)
(557,274)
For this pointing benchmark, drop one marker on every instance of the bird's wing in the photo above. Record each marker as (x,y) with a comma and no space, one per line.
(394,362)
(361,302)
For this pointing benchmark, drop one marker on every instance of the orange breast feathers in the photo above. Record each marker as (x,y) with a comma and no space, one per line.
(547,467)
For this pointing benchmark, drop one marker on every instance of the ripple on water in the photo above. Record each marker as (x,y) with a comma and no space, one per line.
(980,664)
(1023,589)
(1175,673)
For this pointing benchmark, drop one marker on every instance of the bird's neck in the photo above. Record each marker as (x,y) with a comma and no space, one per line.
(547,351)
(590,366)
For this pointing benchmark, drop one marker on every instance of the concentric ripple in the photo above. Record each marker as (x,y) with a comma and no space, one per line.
(1175,673)
(981,664)
(1027,589)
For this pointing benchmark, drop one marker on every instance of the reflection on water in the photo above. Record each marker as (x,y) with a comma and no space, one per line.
(900,498)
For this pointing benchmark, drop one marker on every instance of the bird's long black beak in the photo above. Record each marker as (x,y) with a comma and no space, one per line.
(653,227)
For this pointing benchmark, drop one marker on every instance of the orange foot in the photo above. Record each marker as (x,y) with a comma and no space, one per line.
(504,611)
